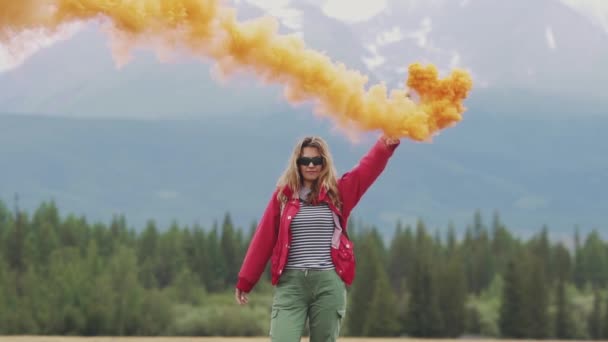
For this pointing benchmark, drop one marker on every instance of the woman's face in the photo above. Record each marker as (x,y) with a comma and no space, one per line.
(310,164)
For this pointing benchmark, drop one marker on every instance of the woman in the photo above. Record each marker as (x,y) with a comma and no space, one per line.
(303,232)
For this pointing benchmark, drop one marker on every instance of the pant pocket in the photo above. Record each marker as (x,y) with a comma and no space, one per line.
(273,321)
(338,327)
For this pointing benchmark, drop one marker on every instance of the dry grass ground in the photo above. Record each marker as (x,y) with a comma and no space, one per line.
(211,339)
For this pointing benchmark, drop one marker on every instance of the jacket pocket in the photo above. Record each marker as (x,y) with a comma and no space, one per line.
(344,259)
(346,249)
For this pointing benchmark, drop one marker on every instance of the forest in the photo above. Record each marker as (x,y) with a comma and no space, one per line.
(63,275)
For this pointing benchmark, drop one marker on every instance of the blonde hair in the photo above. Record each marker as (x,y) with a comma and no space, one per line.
(292,179)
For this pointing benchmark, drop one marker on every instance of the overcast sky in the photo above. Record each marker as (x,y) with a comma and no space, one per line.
(348,11)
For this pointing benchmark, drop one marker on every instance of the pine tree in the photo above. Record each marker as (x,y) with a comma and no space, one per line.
(595,317)
(512,318)
(605,322)
(502,244)
(45,243)
(16,249)
(562,263)
(536,299)
(563,319)
(423,313)
(452,296)
(579,272)
(214,280)
(542,250)
(200,263)
(147,255)
(128,293)
(382,315)
(399,257)
(170,260)
(596,260)
(230,246)
(363,288)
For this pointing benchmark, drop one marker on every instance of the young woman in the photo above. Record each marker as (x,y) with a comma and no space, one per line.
(303,233)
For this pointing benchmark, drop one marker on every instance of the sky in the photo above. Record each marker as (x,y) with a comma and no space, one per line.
(348,11)
(381,36)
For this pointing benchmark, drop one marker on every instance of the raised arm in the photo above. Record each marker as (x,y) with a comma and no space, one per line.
(355,183)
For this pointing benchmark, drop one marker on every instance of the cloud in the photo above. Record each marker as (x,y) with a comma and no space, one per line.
(167,194)
(421,35)
(375,60)
(390,36)
(27,43)
(550,38)
(353,11)
(532,202)
(290,17)
(455,60)
(595,10)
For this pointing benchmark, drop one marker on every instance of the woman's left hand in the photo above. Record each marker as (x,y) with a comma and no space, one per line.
(389,141)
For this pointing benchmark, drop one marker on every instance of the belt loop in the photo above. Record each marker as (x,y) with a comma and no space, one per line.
(306,272)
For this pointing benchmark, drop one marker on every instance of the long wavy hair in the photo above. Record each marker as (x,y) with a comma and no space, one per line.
(292,178)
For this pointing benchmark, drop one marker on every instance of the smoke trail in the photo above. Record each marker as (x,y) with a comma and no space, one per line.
(206,28)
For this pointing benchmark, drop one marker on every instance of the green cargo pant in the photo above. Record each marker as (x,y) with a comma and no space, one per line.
(319,296)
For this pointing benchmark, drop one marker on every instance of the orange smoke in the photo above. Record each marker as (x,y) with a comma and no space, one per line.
(207,29)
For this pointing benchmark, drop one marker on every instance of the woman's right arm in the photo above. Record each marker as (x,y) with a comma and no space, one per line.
(261,246)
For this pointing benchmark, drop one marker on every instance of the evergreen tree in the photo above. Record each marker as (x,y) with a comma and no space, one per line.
(536,302)
(119,231)
(595,317)
(423,315)
(579,272)
(127,292)
(170,260)
(562,263)
(452,241)
(46,242)
(382,315)
(148,247)
(605,322)
(200,262)
(541,248)
(595,260)
(513,320)
(15,249)
(563,319)
(452,296)
(215,280)
(230,246)
(502,244)
(363,288)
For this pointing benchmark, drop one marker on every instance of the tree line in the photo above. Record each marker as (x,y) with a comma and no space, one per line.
(65,275)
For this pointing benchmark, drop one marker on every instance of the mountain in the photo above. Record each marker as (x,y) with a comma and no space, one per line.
(542,45)
(533,171)
(548,47)
(170,141)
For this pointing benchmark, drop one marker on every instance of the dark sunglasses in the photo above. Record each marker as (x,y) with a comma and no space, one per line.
(305,161)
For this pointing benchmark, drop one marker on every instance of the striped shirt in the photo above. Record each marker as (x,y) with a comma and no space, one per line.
(312,229)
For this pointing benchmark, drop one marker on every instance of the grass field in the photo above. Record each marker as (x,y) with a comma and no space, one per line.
(216,339)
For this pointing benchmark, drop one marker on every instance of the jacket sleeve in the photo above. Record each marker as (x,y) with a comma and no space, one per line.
(261,246)
(354,184)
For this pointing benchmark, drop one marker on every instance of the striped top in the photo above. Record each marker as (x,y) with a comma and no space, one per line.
(312,229)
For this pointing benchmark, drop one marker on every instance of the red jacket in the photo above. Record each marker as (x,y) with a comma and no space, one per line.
(272,237)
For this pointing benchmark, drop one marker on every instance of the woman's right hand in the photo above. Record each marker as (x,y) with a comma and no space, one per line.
(241,297)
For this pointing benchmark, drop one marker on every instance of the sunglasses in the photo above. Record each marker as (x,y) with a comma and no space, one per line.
(305,161)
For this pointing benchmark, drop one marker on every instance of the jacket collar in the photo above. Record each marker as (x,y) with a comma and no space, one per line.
(289,192)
